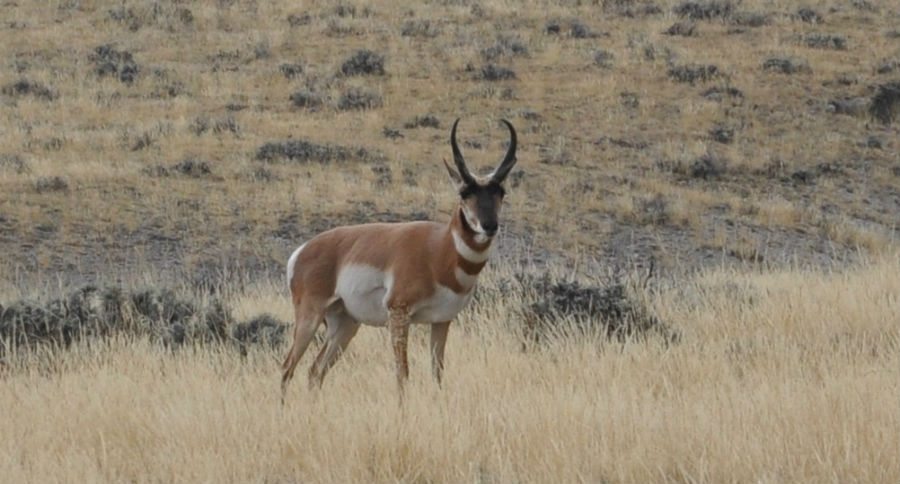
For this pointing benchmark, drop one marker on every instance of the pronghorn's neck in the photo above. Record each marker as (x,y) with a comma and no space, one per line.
(469,254)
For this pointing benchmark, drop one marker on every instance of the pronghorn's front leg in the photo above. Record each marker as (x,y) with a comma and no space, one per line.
(398,324)
(438,340)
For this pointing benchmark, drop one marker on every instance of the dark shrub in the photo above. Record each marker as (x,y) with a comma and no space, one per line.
(684,28)
(263,174)
(554,27)
(492,72)
(358,98)
(303,151)
(291,71)
(263,330)
(825,41)
(143,141)
(786,65)
(424,121)
(705,10)
(720,93)
(383,174)
(299,19)
(90,312)
(192,168)
(363,63)
(14,162)
(350,11)
(885,105)
(722,134)
(505,46)
(579,30)
(630,100)
(565,308)
(809,16)
(202,124)
(307,99)
(225,125)
(160,314)
(707,167)
(855,106)
(692,73)
(24,87)
(750,19)
(391,133)
(603,58)
(116,63)
(888,66)
(51,184)
(419,28)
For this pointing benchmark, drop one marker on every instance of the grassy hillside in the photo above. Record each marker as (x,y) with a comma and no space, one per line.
(745,150)
(135,131)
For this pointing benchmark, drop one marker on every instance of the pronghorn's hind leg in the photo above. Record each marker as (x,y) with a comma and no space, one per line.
(341,329)
(307,317)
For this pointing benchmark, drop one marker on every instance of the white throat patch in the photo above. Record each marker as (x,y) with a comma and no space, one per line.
(465,280)
(467,252)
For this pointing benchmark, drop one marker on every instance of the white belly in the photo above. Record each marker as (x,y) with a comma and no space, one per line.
(364,292)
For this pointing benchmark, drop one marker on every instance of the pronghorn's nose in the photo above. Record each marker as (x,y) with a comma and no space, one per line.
(490,228)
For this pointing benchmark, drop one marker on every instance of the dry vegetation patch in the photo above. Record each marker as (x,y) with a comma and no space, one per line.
(761,365)
(92,313)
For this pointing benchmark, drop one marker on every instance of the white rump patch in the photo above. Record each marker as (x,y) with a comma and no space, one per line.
(467,252)
(292,261)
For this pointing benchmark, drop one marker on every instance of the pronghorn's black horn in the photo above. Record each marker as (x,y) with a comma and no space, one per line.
(467,177)
(510,158)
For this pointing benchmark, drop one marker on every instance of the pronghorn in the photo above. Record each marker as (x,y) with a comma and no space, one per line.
(395,274)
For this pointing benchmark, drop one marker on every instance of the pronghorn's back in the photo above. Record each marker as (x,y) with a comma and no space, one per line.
(378,245)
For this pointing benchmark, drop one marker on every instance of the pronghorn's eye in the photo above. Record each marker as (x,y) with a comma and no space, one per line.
(468,191)
(496,189)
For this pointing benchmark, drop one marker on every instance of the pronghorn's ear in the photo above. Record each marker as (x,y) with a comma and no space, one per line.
(454,175)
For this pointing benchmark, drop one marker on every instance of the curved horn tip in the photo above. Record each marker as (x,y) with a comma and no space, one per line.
(510,159)
(509,125)
(458,157)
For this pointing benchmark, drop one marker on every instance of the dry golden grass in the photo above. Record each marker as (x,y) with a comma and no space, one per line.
(788,376)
